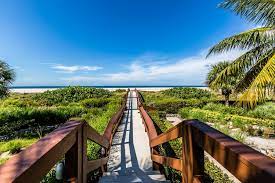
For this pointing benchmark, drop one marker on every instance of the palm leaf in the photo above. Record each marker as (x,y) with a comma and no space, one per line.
(255,71)
(242,63)
(245,40)
(257,11)
(257,90)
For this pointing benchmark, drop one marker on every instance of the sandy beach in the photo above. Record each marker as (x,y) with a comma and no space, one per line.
(40,90)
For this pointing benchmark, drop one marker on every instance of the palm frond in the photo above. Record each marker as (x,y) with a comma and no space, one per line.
(257,91)
(257,11)
(242,63)
(245,40)
(254,71)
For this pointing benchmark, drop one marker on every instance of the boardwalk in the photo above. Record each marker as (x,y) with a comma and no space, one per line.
(130,157)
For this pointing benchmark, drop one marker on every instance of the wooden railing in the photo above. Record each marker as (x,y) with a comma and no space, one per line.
(245,163)
(69,141)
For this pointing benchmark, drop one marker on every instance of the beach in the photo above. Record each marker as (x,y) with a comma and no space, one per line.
(41,90)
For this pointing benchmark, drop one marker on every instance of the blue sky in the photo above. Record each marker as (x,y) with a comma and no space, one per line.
(113,42)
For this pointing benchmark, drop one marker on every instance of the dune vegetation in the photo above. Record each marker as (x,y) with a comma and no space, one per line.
(208,107)
(24,118)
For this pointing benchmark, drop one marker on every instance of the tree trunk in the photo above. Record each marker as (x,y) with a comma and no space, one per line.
(226,98)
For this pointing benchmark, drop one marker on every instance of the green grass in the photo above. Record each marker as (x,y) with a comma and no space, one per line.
(15,145)
(263,111)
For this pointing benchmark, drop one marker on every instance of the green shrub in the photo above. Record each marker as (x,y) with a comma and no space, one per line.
(70,94)
(15,145)
(224,109)
(187,93)
(14,118)
(215,172)
(263,111)
(169,105)
(95,102)
(218,117)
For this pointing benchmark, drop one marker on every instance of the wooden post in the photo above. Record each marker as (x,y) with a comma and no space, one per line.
(73,160)
(84,153)
(192,156)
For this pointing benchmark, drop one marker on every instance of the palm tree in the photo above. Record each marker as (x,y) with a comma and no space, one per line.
(258,62)
(227,85)
(7,76)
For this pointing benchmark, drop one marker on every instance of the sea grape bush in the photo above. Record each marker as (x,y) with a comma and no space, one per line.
(95,102)
(187,93)
(70,94)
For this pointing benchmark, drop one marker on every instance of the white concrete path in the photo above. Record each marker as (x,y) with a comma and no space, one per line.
(130,159)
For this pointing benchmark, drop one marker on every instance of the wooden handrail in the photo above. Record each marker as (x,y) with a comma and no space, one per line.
(113,123)
(70,139)
(40,157)
(245,163)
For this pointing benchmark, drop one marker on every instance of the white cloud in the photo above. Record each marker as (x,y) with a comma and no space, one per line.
(74,68)
(183,71)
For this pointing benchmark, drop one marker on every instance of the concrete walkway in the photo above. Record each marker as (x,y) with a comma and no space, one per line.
(130,157)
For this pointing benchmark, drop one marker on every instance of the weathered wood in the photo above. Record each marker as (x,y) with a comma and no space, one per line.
(40,157)
(93,135)
(167,161)
(95,164)
(171,134)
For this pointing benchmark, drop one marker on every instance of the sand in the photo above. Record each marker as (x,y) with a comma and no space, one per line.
(41,90)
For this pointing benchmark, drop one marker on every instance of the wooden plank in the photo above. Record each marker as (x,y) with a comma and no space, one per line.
(93,135)
(167,161)
(247,164)
(95,164)
(171,134)
(40,157)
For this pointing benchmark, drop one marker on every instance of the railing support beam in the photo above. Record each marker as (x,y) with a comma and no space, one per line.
(73,163)
(192,156)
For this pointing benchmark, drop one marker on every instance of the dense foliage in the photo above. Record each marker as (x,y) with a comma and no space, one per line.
(219,117)
(70,94)
(7,76)
(228,84)
(170,101)
(264,111)
(14,119)
(187,93)
(31,116)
